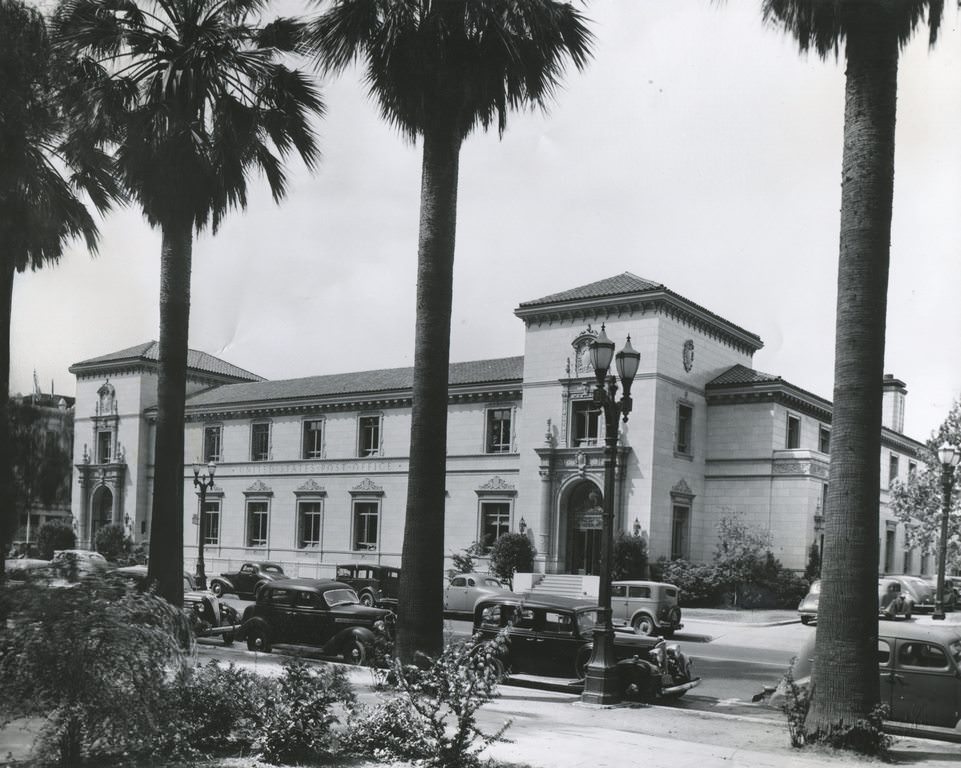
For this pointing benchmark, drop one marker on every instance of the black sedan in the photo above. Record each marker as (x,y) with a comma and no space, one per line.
(553,636)
(315,612)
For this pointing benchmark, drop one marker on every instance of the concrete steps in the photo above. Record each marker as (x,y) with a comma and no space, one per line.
(560,584)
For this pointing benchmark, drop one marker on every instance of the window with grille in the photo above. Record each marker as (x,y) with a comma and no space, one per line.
(256,523)
(685,430)
(212,443)
(369,444)
(366,519)
(499,430)
(211,533)
(260,441)
(310,524)
(585,423)
(313,439)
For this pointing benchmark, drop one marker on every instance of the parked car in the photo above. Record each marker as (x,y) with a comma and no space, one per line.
(316,612)
(649,607)
(920,672)
(921,592)
(209,616)
(23,568)
(553,636)
(246,581)
(892,602)
(375,584)
(465,589)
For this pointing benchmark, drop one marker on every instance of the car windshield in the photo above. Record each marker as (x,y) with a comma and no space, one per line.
(490,583)
(274,569)
(816,588)
(585,622)
(335,597)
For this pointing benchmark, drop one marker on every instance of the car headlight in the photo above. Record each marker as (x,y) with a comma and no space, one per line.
(380,626)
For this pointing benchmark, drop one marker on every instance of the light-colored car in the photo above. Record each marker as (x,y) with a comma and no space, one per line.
(650,607)
(920,672)
(892,602)
(919,590)
(465,589)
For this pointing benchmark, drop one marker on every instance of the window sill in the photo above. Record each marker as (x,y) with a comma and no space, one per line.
(680,455)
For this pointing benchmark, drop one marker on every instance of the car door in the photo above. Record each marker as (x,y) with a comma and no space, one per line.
(925,684)
(245,579)
(523,646)
(557,646)
(619,608)
(455,596)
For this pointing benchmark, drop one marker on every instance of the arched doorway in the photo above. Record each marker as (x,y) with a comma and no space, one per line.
(584,526)
(102,511)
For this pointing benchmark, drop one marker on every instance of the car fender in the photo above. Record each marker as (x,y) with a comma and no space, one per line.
(342,638)
(227,583)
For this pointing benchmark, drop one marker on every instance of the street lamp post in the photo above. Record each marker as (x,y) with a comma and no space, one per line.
(203,483)
(600,684)
(949,457)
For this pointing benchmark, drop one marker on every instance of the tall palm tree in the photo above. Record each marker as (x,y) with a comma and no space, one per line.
(439,69)
(845,681)
(197,97)
(45,170)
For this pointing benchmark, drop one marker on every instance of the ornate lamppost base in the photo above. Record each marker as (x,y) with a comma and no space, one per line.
(601,686)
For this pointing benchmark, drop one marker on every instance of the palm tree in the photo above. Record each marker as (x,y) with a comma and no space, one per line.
(197,97)
(439,69)
(41,208)
(845,682)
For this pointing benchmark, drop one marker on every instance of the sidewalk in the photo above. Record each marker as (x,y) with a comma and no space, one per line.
(759,618)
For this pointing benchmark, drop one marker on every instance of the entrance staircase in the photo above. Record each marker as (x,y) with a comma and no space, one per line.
(561,584)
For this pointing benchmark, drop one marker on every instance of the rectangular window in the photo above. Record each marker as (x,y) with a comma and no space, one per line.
(369,444)
(889,551)
(912,470)
(685,423)
(499,430)
(585,423)
(260,441)
(313,439)
(892,469)
(793,432)
(211,444)
(679,533)
(824,440)
(366,519)
(212,522)
(256,523)
(309,526)
(908,560)
(103,447)
(495,522)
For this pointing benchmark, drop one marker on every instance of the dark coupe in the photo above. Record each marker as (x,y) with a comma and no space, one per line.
(553,636)
(317,612)
(246,581)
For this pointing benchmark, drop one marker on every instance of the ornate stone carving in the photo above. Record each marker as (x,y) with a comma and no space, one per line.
(582,359)
(682,489)
(259,487)
(790,468)
(496,483)
(687,355)
(367,486)
(312,487)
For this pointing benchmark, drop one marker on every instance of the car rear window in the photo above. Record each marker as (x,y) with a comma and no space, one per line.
(274,569)
(670,592)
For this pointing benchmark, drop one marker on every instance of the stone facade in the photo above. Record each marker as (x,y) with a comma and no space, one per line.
(313,472)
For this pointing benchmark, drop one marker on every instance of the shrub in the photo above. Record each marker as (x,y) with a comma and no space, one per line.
(432,719)
(699,583)
(296,718)
(511,553)
(54,535)
(813,569)
(92,661)
(630,557)
(463,561)
(112,541)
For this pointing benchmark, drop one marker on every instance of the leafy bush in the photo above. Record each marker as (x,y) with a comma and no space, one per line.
(630,557)
(812,570)
(699,583)
(511,553)
(112,541)
(54,535)
(463,561)
(432,719)
(92,660)
(296,719)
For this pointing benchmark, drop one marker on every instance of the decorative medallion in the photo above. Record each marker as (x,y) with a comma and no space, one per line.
(582,357)
(688,355)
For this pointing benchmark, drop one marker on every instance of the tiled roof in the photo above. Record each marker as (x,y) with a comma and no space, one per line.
(504,369)
(609,286)
(149,351)
(741,374)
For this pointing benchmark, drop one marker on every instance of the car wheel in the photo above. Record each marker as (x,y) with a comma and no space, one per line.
(229,639)
(805,619)
(643,624)
(367,599)
(355,653)
(257,639)
(217,588)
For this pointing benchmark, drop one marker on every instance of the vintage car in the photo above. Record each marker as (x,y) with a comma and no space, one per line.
(649,607)
(246,581)
(209,616)
(920,672)
(315,612)
(918,590)
(553,636)
(375,584)
(465,589)
(892,602)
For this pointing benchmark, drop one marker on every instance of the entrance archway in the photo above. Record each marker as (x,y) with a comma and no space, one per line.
(102,511)
(584,524)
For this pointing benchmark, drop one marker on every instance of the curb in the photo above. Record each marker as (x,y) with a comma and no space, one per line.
(723,623)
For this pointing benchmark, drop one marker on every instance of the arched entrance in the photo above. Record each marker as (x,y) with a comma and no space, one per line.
(584,525)
(102,511)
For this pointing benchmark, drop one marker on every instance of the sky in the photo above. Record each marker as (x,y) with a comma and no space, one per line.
(698,149)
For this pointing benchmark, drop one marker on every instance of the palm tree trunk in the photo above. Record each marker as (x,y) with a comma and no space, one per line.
(420,605)
(845,683)
(167,514)
(8,510)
